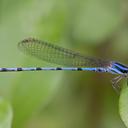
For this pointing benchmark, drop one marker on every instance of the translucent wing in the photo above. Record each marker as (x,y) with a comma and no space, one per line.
(58,55)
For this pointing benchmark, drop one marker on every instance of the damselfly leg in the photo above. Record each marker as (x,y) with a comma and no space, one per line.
(116,80)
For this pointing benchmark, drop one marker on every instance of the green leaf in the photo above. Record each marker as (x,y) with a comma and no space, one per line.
(5,114)
(123,105)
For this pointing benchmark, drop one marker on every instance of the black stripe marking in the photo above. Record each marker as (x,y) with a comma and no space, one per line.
(79,69)
(38,68)
(58,68)
(3,70)
(19,69)
(99,70)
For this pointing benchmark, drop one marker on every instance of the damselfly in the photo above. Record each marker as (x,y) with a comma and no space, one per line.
(72,60)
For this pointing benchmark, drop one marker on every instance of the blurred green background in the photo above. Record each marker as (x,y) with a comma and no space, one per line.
(62,99)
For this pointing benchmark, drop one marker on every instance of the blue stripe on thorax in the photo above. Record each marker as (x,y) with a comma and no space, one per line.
(119,68)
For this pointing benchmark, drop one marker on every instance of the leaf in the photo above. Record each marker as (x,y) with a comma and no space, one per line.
(5,114)
(123,105)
